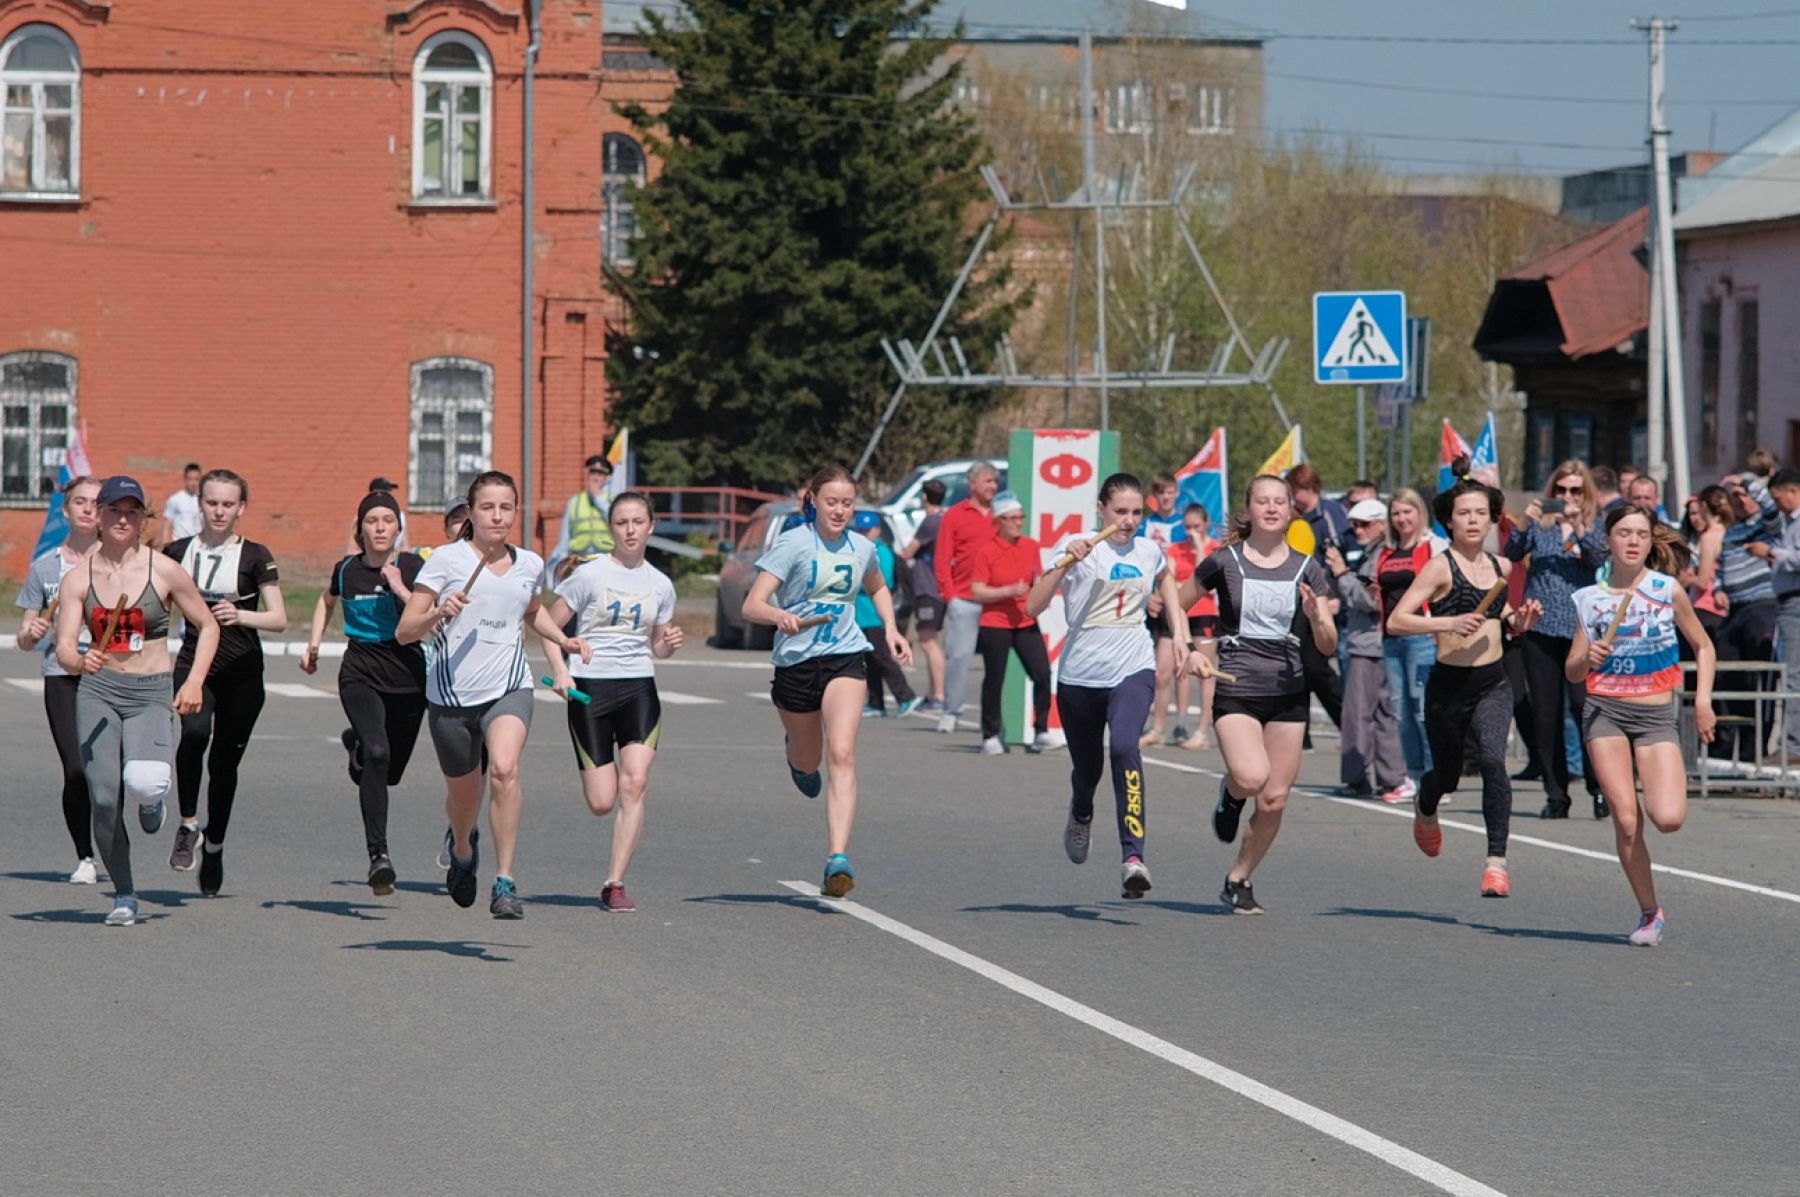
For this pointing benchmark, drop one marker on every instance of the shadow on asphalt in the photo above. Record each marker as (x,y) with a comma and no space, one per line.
(468,949)
(345,910)
(1489,928)
(411,887)
(93,917)
(797,901)
(590,901)
(1085,914)
(59,878)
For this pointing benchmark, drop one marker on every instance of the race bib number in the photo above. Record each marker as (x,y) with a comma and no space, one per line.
(624,613)
(1117,603)
(127,637)
(214,570)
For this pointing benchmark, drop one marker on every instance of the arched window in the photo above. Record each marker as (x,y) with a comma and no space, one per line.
(452,429)
(453,90)
(37,397)
(41,75)
(622,168)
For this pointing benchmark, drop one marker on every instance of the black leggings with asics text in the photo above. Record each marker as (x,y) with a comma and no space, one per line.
(1088,712)
(1469,707)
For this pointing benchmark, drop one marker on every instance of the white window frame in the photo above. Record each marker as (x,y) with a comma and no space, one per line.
(455,81)
(1209,110)
(615,248)
(418,404)
(1128,108)
(39,188)
(34,431)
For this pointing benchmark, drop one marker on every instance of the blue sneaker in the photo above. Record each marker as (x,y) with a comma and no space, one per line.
(839,879)
(874,713)
(933,705)
(506,903)
(807,783)
(908,707)
(459,878)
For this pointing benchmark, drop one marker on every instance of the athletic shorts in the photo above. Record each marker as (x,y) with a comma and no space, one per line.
(1204,627)
(619,711)
(1158,627)
(460,733)
(1640,723)
(1264,708)
(800,689)
(928,613)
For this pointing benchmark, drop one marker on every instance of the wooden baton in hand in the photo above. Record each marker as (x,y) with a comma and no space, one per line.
(1064,561)
(492,552)
(816,621)
(1618,618)
(112,624)
(50,611)
(1487,600)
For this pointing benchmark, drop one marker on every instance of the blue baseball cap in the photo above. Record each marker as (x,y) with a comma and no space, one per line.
(121,486)
(866,521)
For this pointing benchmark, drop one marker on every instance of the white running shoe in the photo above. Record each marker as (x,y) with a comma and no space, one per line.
(1076,837)
(1050,741)
(946,723)
(1135,879)
(86,873)
(124,912)
(993,747)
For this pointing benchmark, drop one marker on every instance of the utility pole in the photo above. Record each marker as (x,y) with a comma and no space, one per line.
(1089,186)
(1666,392)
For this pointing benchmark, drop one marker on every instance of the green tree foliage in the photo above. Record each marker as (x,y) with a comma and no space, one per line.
(815,196)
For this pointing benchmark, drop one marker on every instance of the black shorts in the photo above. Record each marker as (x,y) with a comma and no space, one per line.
(800,688)
(619,711)
(1204,627)
(928,613)
(1264,708)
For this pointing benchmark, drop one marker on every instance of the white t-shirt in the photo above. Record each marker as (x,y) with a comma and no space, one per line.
(182,512)
(480,655)
(1104,598)
(617,607)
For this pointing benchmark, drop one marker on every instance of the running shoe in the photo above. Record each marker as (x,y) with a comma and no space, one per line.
(187,842)
(1178,735)
(1150,739)
(150,816)
(839,879)
(1240,897)
(1226,814)
(1555,810)
(1134,878)
(1406,791)
(459,878)
(1428,835)
(1601,810)
(931,705)
(1076,837)
(946,723)
(353,745)
(85,872)
(993,747)
(444,852)
(505,903)
(125,912)
(1649,931)
(1495,883)
(614,899)
(908,707)
(1050,741)
(212,869)
(381,875)
(807,783)
(1361,790)
(874,713)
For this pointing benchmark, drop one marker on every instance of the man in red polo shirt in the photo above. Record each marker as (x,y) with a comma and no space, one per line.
(962,531)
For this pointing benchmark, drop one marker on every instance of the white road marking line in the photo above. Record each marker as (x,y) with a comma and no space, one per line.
(33,684)
(1439,1175)
(295,690)
(678,699)
(712,664)
(1608,857)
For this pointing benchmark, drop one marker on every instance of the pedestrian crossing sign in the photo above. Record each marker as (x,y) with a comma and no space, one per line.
(1359,336)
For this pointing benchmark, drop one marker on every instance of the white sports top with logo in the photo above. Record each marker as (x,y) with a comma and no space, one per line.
(480,655)
(1104,598)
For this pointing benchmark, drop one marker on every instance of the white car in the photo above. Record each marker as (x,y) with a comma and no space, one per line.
(904,506)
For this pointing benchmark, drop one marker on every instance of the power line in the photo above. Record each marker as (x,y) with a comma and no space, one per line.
(1769,15)
(1514,95)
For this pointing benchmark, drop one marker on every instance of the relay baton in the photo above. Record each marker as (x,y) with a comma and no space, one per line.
(1487,600)
(476,576)
(816,621)
(1067,559)
(1618,618)
(112,623)
(572,694)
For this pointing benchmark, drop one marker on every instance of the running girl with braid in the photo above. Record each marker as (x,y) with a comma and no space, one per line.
(1467,698)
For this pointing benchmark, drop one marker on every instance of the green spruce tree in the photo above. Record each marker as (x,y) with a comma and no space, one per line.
(815,196)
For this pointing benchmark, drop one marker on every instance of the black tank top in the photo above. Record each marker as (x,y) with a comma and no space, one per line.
(1464,595)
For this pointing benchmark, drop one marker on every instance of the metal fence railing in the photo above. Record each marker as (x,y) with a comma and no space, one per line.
(1741,684)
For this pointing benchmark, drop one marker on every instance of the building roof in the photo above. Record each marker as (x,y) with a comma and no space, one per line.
(1588,297)
(1760,182)
(1041,20)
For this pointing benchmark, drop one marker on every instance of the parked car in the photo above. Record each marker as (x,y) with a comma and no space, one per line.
(905,508)
(738,567)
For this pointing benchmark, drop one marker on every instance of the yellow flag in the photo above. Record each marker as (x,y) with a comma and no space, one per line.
(617,457)
(1290,454)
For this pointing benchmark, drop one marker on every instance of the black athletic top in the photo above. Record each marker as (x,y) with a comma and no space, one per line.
(234,572)
(371,614)
(1261,619)
(1464,595)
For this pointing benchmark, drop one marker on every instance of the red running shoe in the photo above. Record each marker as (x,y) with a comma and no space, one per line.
(1429,836)
(1495,883)
(614,900)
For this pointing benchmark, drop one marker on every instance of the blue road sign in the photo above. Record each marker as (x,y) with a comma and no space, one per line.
(1359,336)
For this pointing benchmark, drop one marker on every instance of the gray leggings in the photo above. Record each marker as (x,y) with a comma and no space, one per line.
(126,726)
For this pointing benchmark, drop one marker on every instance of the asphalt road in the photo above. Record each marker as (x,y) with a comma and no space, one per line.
(984,1018)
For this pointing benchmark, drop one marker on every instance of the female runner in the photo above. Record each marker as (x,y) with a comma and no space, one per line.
(235,576)
(820,687)
(1633,683)
(1467,697)
(1185,557)
(381,682)
(122,705)
(1107,676)
(473,598)
(1269,596)
(625,610)
(42,585)
(1408,659)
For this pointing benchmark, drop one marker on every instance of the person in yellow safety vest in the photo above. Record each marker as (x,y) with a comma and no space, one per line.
(585,532)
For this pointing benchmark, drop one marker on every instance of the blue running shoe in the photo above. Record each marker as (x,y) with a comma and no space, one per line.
(807,783)
(839,879)
(506,903)
(459,878)
(908,707)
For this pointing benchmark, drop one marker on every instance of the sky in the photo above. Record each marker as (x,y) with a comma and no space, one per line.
(1550,108)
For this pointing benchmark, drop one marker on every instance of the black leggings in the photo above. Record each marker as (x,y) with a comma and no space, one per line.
(78,811)
(994,644)
(1551,694)
(230,702)
(1469,706)
(882,667)
(1088,712)
(387,729)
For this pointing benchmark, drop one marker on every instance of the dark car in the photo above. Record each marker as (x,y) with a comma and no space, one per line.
(739,567)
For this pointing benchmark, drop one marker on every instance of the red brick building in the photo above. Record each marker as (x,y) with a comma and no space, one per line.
(286,239)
